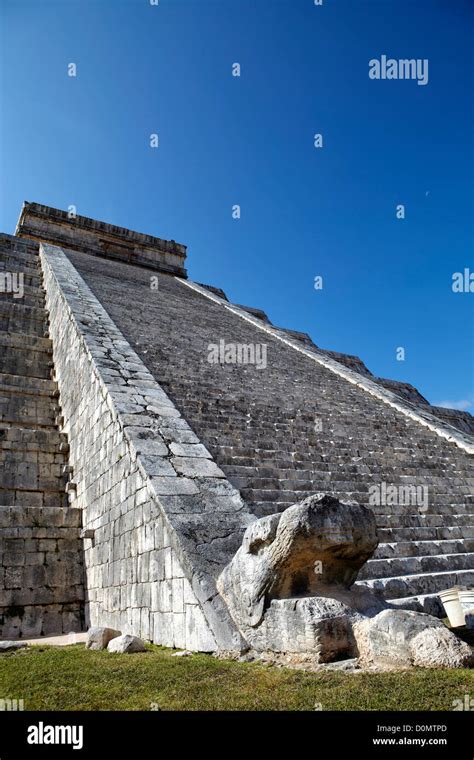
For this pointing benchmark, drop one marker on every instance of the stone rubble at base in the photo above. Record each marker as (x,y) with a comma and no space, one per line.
(126,644)
(99,638)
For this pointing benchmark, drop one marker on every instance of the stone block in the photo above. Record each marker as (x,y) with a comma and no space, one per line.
(99,638)
(126,644)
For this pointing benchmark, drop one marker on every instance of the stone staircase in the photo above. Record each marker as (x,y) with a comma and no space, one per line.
(297,427)
(41,584)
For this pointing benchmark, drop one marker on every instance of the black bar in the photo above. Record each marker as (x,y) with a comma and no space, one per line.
(209,734)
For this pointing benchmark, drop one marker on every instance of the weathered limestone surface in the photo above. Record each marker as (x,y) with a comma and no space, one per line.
(304,424)
(126,644)
(165,519)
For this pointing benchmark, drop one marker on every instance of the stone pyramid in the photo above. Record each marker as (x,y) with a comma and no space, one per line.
(147,422)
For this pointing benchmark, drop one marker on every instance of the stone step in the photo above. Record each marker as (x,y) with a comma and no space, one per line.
(23,497)
(24,248)
(293,494)
(20,260)
(423,548)
(16,308)
(343,452)
(422,520)
(422,583)
(51,519)
(394,535)
(21,281)
(30,474)
(428,603)
(26,342)
(24,439)
(31,363)
(28,385)
(442,506)
(17,318)
(328,472)
(42,461)
(28,299)
(30,277)
(275,484)
(271,496)
(14,242)
(27,409)
(29,252)
(218,429)
(26,355)
(331,470)
(30,296)
(265,508)
(428,527)
(318,470)
(401,566)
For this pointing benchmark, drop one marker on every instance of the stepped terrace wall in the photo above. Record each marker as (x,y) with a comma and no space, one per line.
(41,567)
(41,571)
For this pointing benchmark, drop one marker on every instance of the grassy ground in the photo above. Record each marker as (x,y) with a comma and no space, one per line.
(73,678)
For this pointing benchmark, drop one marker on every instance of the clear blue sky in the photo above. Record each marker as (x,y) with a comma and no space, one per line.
(224,140)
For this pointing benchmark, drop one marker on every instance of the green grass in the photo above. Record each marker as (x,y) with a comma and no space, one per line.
(73,678)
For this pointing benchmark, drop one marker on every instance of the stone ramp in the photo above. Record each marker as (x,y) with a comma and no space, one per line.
(296,427)
(41,586)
